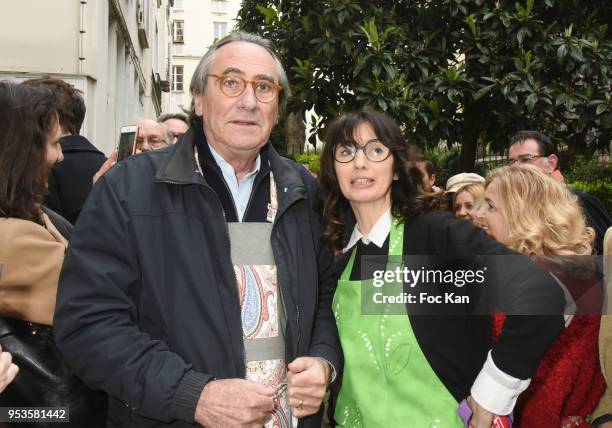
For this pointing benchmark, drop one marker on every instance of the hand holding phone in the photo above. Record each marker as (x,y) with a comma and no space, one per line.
(127,141)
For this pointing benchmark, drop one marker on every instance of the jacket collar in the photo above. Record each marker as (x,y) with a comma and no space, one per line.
(77,143)
(180,166)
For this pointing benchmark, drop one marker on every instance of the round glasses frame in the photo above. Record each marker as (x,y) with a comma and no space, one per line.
(523,159)
(155,144)
(221,78)
(363,148)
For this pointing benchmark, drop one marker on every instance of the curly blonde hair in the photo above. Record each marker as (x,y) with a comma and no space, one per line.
(543,217)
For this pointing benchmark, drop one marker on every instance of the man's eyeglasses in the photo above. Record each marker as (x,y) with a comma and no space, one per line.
(233,86)
(523,159)
(374,151)
(153,143)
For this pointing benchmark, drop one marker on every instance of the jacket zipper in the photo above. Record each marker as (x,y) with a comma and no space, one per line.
(297,308)
(229,245)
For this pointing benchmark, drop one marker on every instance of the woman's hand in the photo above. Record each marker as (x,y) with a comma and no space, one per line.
(8,370)
(481,418)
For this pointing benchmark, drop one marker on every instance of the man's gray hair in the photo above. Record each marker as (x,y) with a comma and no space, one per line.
(198,81)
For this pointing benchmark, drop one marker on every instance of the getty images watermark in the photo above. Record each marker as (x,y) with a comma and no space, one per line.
(402,276)
(482,285)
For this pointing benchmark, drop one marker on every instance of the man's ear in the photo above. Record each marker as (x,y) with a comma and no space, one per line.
(553,161)
(197,103)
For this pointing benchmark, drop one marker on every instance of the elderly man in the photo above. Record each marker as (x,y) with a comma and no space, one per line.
(536,148)
(152,135)
(195,288)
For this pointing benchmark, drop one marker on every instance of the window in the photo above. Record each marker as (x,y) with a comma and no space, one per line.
(177,77)
(219,6)
(219,29)
(178,4)
(177,31)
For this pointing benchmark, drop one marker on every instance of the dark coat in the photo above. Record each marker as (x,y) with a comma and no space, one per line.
(597,217)
(147,308)
(70,181)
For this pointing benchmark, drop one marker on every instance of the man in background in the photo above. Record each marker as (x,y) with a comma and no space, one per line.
(535,148)
(152,135)
(71,180)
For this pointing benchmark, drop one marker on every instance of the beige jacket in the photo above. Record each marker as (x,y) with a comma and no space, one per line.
(31,257)
(605,331)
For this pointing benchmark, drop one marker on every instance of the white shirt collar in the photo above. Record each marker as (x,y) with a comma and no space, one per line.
(378,234)
(226,166)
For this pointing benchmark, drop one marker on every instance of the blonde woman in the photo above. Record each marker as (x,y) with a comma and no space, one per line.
(534,215)
(466,190)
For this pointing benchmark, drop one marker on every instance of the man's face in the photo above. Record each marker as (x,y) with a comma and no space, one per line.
(151,136)
(528,151)
(236,126)
(177,127)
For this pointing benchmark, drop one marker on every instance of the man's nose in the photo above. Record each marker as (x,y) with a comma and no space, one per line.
(145,146)
(248,99)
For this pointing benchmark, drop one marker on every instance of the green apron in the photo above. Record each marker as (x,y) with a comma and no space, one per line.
(387,381)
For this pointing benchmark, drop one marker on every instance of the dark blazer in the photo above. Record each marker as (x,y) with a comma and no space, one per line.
(147,308)
(70,181)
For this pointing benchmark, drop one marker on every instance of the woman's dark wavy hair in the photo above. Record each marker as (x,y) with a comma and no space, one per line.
(407,197)
(27,117)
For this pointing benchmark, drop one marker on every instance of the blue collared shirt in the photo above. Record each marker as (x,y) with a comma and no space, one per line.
(241,191)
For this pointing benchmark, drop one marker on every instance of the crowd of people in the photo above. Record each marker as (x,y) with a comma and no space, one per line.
(208,280)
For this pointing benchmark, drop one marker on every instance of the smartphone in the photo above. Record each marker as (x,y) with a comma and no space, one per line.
(127,141)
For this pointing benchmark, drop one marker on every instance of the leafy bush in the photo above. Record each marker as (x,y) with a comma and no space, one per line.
(588,171)
(446,163)
(601,189)
(312,160)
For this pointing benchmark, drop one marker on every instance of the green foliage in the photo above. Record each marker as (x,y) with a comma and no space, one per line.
(446,163)
(588,171)
(312,160)
(601,189)
(458,71)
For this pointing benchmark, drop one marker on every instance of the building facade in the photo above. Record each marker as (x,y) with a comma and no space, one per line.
(196,24)
(115,51)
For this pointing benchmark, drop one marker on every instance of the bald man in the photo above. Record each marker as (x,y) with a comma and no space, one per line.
(152,135)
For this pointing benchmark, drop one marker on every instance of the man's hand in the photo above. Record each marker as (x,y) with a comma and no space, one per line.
(307,383)
(481,418)
(234,403)
(8,370)
(112,160)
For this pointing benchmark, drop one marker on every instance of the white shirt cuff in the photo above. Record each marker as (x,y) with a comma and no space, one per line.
(332,378)
(495,390)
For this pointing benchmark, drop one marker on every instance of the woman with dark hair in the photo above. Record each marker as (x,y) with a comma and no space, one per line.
(410,353)
(29,147)
(33,241)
